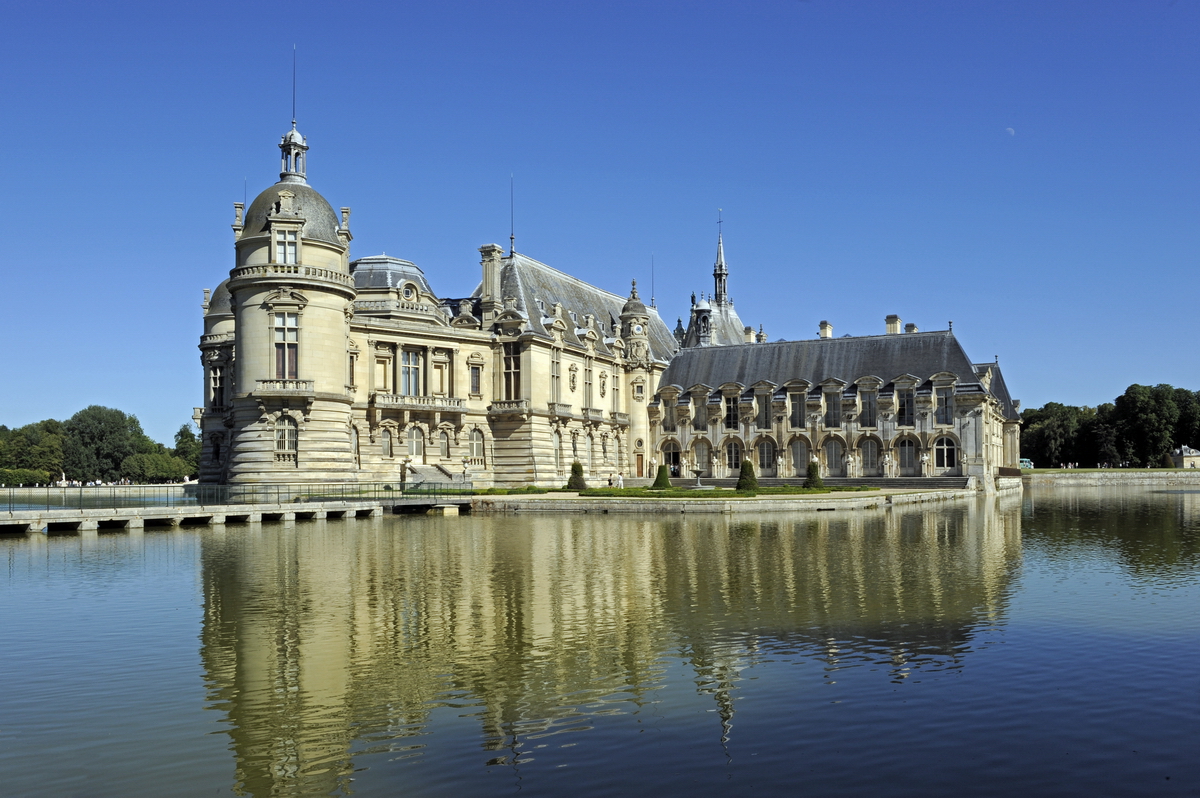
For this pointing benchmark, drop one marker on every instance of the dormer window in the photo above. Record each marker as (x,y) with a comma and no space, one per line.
(408,292)
(286,242)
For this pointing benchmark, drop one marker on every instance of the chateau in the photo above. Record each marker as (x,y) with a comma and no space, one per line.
(321,368)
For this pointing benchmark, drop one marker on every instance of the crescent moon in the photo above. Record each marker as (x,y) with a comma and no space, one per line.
(1011,132)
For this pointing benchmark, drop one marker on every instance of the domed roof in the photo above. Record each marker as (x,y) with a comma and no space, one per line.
(220,302)
(293,135)
(321,223)
(383,271)
(703,304)
(633,306)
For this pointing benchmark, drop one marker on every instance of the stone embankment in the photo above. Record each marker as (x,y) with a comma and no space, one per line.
(1149,478)
(830,502)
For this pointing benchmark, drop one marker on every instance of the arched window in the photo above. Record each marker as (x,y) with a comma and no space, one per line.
(354,446)
(216,450)
(477,447)
(285,434)
(766,454)
(907,452)
(869,449)
(670,452)
(591,460)
(733,455)
(800,457)
(444,445)
(416,444)
(386,439)
(945,453)
(835,458)
(558,451)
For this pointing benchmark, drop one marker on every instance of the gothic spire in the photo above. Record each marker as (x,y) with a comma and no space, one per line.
(720,271)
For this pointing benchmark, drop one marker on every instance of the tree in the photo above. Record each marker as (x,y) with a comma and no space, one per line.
(576,481)
(154,467)
(97,441)
(1146,421)
(747,480)
(187,448)
(812,478)
(662,480)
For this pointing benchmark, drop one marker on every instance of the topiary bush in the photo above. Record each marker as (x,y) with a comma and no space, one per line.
(662,480)
(812,478)
(576,482)
(747,480)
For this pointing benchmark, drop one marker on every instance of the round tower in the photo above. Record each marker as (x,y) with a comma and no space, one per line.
(635,334)
(292,297)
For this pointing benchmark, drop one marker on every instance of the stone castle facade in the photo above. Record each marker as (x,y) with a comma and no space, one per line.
(321,368)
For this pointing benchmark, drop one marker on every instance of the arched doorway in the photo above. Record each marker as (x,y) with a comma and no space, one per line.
(733,457)
(800,457)
(671,458)
(416,446)
(835,458)
(766,458)
(945,457)
(869,454)
(701,458)
(906,452)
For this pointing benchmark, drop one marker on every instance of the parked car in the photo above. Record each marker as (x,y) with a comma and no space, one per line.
(1026,462)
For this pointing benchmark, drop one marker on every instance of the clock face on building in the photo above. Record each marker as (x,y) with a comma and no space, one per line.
(637,328)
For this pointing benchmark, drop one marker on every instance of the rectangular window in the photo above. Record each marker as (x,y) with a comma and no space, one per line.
(512,371)
(353,362)
(904,407)
(218,387)
(476,380)
(796,407)
(410,373)
(587,383)
(731,413)
(555,375)
(616,393)
(833,409)
(700,414)
(382,383)
(668,422)
(870,406)
(439,379)
(945,406)
(764,411)
(285,246)
(287,343)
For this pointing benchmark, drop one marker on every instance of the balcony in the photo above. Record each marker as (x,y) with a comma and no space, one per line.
(620,418)
(560,409)
(593,414)
(284,387)
(442,404)
(513,407)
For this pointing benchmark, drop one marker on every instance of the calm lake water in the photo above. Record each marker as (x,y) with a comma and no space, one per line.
(1042,645)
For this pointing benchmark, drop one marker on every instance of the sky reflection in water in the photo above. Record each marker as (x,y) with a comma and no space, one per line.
(1045,645)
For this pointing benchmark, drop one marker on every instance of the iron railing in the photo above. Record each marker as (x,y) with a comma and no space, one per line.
(104,497)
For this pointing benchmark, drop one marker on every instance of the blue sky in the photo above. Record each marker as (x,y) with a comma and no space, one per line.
(1027,170)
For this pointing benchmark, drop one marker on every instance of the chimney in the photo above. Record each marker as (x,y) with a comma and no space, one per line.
(910,327)
(762,336)
(748,335)
(826,329)
(490,293)
(893,324)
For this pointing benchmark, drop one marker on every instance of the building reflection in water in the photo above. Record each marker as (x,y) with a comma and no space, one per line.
(327,640)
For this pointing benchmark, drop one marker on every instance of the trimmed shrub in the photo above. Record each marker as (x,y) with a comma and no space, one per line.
(812,478)
(747,479)
(1167,462)
(24,476)
(662,480)
(576,482)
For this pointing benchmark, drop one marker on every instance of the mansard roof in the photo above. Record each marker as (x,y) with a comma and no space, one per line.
(382,272)
(921,354)
(527,281)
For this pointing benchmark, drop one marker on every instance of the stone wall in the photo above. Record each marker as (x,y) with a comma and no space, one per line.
(1131,476)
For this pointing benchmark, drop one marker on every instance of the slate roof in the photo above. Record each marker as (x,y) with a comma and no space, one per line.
(528,281)
(725,328)
(384,272)
(921,354)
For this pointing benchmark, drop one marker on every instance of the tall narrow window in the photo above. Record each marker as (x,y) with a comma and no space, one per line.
(668,409)
(945,406)
(410,373)
(558,452)
(869,449)
(702,455)
(796,410)
(733,455)
(354,447)
(870,406)
(476,380)
(731,415)
(833,408)
(217,386)
(285,246)
(764,411)
(285,438)
(555,375)
(904,407)
(444,445)
(616,394)
(700,414)
(353,361)
(800,457)
(945,453)
(512,371)
(766,455)
(587,382)
(477,447)
(287,343)
(416,445)
(386,440)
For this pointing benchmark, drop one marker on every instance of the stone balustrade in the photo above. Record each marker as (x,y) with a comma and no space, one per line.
(560,409)
(398,401)
(285,386)
(620,418)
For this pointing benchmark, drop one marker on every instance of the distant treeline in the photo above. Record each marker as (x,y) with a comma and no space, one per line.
(97,444)
(1138,430)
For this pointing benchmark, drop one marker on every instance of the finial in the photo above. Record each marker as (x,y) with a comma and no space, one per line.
(512,216)
(951,326)
(633,294)
(293,86)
